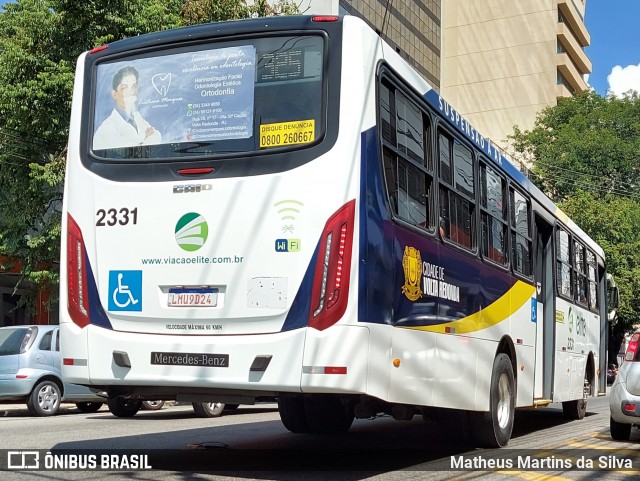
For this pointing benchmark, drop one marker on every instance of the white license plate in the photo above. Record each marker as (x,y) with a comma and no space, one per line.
(193,297)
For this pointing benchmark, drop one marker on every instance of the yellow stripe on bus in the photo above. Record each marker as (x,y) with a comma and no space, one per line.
(491,315)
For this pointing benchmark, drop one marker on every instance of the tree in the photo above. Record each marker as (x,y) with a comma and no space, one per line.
(40,41)
(585,153)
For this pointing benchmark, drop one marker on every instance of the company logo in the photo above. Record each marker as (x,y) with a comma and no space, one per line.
(412,265)
(191,188)
(23,460)
(191,231)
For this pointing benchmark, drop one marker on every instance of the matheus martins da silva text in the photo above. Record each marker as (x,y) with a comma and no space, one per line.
(541,463)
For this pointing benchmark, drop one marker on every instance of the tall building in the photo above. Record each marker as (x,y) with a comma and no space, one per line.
(504,61)
(413,28)
(497,62)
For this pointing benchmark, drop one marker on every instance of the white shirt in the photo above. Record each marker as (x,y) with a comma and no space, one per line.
(115,132)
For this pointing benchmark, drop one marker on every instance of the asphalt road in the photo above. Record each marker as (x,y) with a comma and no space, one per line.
(251,443)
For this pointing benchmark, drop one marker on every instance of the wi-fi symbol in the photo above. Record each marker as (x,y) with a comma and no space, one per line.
(288,209)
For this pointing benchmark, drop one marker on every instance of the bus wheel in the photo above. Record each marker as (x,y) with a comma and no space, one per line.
(123,407)
(577,408)
(89,407)
(493,429)
(292,413)
(327,414)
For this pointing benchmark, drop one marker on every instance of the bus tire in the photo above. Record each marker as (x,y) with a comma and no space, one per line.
(292,413)
(89,407)
(619,431)
(327,414)
(576,408)
(208,410)
(493,429)
(123,407)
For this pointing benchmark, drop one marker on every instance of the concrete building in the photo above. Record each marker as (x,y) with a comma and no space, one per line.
(497,62)
(413,27)
(504,61)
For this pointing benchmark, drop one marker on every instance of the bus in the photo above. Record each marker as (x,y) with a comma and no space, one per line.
(284,208)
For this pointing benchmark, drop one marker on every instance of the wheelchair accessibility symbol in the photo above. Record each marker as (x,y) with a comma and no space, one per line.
(125,290)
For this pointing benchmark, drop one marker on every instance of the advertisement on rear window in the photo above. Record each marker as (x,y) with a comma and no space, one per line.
(200,96)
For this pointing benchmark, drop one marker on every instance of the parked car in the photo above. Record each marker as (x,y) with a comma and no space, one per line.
(624,399)
(212,409)
(152,405)
(30,372)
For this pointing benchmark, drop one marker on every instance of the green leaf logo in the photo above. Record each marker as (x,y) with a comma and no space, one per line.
(191,231)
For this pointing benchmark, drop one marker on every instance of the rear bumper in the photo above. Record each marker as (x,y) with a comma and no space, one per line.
(15,389)
(172,364)
(618,398)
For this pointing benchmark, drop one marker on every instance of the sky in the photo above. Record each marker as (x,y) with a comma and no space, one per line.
(615,44)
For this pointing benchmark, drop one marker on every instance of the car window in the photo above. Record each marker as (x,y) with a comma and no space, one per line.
(45,342)
(11,340)
(57,348)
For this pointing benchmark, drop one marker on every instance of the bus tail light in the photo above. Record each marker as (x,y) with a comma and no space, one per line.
(632,348)
(77,291)
(329,296)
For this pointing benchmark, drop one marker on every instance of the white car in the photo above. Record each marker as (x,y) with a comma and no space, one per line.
(624,398)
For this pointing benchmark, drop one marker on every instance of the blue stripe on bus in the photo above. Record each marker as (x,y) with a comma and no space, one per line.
(381,275)
(298,314)
(97,316)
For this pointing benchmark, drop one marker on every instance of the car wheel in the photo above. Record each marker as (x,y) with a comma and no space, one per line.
(44,400)
(208,410)
(619,431)
(89,407)
(152,405)
(123,407)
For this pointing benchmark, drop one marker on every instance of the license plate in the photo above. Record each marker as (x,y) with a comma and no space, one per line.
(193,297)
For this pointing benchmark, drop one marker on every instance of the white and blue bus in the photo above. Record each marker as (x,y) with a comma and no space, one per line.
(283,207)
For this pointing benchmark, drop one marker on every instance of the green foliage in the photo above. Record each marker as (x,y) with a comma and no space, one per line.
(586,142)
(585,154)
(40,41)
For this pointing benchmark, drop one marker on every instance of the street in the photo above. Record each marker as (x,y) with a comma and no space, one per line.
(251,443)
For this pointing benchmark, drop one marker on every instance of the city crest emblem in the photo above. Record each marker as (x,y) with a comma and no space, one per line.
(412,265)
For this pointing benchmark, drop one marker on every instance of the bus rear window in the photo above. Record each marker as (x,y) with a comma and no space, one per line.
(231,97)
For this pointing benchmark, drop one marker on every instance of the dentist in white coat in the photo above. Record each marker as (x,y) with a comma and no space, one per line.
(125,127)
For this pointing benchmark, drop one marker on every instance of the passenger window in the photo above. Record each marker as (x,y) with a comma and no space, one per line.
(408,174)
(457,191)
(494,219)
(45,342)
(521,233)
